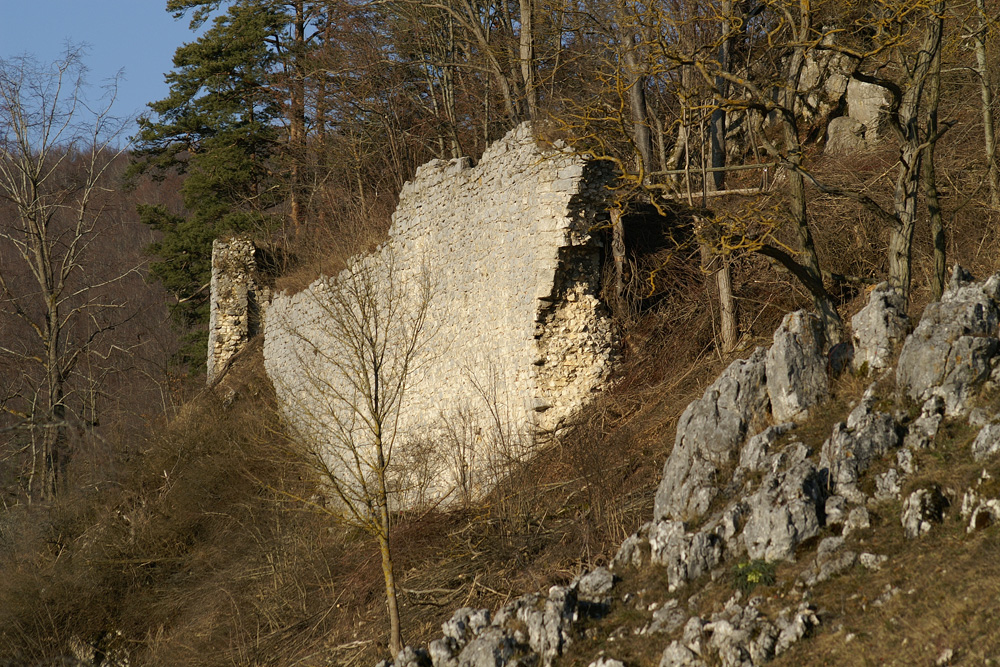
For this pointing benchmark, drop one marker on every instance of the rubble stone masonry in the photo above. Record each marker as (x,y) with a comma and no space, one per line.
(516,339)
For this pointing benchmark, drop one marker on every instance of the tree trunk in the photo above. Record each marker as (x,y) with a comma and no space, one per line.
(986,91)
(833,326)
(930,180)
(382,501)
(618,253)
(727,308)
(641,134)
(907,127)
(718,121)
(905,208)
(297,124)
(527,53)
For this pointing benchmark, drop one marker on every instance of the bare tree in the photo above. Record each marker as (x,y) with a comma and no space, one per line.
(357,359)
(56,151)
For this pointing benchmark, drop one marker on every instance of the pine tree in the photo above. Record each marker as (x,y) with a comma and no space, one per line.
(219,127)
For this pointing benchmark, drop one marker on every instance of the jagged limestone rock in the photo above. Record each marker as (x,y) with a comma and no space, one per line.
(786,509)
(796,367)
(823,83)
(413,657)
(852,447)
(922,509)
(845,136)
(465,624)
(547,620)
(987,443)
(979,512)
(921,432)
(666,619)
(755,451)
(607,662)
(708,434)
(630,553)
(493,647)
(879,327)
(857,519)
(685,556)
(595,586)
(832,558)
(444,652)
(949,353)
(678,655)
(888,485)
(868,104)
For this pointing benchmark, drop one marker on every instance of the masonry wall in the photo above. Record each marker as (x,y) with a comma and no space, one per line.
(236,298)
(516,339)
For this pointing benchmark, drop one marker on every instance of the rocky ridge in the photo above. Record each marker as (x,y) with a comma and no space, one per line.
(744,488)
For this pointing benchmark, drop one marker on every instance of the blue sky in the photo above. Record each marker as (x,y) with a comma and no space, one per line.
(136,36)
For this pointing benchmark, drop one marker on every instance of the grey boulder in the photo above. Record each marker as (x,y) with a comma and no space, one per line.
(709,433)
(879,327)
(949,354)
(796,367)
(786,509)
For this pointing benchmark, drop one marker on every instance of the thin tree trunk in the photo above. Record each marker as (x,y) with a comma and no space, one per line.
(395,634)
(833,326)
(986,91)
(297,126)
(907,127)
(718,121)
(527,53)
(637,105)
(618,253)
(727,307)
(930,181)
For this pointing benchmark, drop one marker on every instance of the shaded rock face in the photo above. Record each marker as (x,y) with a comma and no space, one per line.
(950,353)
(922,509)
(868,104)
(879,327)
(796,367)
(845,136)
(708,434)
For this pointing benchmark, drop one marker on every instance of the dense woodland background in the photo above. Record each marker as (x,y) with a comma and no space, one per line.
(143,512)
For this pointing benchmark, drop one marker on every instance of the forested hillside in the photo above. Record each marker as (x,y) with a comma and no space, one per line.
(790,153)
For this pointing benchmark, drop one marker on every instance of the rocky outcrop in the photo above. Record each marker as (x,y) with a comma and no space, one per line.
(708,436)
(787,508)
(737,493)
(845,136)
(868,104)
(738,636)
(849,451)
(878,328)
(950,353)
(922,509)
(796,367)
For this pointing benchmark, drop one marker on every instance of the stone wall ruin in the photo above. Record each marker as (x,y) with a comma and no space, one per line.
(236,299)
(516,339)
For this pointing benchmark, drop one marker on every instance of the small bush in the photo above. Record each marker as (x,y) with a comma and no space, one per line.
(748,575)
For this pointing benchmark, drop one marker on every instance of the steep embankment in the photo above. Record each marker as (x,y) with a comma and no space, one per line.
(782,532)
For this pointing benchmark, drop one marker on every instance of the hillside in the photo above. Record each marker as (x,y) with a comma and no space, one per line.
(738,291)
